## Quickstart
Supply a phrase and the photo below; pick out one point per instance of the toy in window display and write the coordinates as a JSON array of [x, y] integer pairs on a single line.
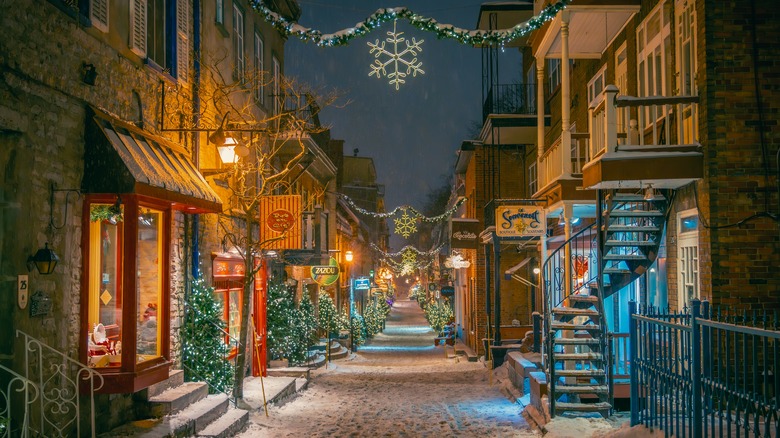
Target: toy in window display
[[148, 331]]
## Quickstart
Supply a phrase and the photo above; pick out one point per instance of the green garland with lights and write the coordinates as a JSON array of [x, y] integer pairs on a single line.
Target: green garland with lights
[[468, 37], [105, 212], [204, 350], [404, 208]]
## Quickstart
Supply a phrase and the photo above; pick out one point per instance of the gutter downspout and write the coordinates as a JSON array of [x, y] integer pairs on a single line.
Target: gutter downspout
[[196, 139]]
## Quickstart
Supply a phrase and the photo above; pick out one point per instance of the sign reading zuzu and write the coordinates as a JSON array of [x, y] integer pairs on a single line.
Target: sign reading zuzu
[[520, 221]]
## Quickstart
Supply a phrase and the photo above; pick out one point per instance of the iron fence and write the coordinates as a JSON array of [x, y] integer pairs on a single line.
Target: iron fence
[[510, 99], [703, 373]]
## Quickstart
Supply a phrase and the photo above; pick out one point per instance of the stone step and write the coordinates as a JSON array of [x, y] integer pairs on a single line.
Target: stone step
[[301, 384], [226, 426], [341, 353], [187, 422], [206, 411], [175, 399], [582, 407], [175, 378], [289, 372]]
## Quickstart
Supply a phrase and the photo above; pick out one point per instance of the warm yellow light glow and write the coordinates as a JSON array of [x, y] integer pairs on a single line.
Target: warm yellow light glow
[[227, 151], [348, 256]]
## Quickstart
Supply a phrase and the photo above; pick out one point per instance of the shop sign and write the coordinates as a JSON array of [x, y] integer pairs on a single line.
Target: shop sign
[[281, 216], [520, 221], [362, 283], [280, 220], [448, 291], [326, 275], [464, 233], [431, 287]]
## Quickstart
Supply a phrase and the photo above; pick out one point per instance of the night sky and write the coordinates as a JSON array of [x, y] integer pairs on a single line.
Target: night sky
[[413, 133]]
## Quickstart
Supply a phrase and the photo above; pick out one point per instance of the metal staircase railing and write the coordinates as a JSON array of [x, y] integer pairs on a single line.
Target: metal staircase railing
[[570, 277], [63, 388]]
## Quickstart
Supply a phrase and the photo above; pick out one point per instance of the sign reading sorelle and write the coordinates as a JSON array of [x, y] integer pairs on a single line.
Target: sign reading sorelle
[[520, 221]]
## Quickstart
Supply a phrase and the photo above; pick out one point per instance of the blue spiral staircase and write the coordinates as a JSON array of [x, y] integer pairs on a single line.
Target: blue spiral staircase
[[592, 265]]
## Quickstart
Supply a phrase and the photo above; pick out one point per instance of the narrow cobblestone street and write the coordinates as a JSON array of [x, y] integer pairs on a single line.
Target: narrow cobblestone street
[[397, 385]]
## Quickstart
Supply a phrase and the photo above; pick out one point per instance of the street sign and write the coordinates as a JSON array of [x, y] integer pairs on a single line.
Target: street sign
[[362, 283]]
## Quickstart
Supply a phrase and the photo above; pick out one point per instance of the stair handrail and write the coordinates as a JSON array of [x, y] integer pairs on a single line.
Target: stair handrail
[[232, 362], [548, 359], [68, 377], [30, 392]]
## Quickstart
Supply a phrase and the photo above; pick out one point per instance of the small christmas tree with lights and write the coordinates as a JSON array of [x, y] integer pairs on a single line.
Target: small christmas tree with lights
[[204, 350], [279, 317], [328, 319]]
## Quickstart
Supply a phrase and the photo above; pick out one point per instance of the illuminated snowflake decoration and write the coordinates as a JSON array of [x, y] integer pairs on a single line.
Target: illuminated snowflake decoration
[[405, 225], [409, 256], [407, 269], [394, 61]]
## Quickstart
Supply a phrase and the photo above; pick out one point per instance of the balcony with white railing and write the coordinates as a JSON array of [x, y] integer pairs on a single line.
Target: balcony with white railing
[[636, 142], [561, 166]]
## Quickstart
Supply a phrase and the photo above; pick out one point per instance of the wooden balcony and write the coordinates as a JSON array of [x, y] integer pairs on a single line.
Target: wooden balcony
[[636, 142], [560, 170]]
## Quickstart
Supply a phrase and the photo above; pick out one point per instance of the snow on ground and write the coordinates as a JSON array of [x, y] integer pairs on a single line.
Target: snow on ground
[[400, 385]]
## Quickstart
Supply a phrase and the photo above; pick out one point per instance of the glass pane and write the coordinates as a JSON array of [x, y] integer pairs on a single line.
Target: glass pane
[[149, 289], [105, 299], [689, 223], [234, 313]]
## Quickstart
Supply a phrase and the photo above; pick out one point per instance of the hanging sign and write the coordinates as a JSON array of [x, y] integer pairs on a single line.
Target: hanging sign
[[520, 221], [281, 219], [326, 275], [463, 233]]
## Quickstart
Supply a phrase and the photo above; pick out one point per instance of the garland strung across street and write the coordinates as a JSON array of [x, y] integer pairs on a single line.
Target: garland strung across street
[[405, 225], [421, 217], [407, 248], [381, 16]]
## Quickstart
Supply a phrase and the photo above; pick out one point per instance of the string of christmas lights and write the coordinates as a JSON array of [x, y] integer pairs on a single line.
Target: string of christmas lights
[[469, 37], [405, 249], [404, 209]]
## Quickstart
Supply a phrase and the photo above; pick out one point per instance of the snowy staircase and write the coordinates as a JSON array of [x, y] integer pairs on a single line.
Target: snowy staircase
[[576, 355], [623, 243], [174, 408]]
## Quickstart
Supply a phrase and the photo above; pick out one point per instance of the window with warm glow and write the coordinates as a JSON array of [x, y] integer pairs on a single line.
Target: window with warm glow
[[105, 299], [108, 294], [149, 285]]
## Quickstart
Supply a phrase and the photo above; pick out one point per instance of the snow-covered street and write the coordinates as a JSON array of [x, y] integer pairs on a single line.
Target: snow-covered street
[[398, 385]]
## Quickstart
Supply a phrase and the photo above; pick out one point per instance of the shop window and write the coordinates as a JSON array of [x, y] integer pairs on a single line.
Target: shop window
[[228, 279], [108, 288]]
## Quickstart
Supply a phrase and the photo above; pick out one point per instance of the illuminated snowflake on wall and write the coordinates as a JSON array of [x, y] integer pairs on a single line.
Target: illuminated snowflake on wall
[[405, 225], [394, 60]]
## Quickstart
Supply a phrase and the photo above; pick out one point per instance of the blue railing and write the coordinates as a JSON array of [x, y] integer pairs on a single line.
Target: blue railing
[[693, 375]]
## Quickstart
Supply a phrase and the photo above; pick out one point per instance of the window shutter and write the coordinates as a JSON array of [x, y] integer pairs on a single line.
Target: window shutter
[[98, 14], [138, 27], [183, 13]]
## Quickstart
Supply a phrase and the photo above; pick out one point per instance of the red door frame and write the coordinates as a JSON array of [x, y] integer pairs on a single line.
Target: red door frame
[[260, 361]]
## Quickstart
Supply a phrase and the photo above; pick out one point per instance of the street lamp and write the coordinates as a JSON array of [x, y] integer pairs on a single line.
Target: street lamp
[[348, 256]]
